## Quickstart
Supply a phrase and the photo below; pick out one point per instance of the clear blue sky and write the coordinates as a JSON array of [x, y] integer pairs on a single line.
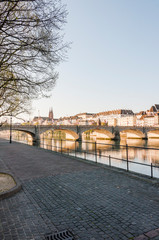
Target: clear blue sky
[[113, 62]]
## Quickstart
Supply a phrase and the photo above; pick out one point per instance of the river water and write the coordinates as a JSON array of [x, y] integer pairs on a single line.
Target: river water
[[108, 152], [112, 152]]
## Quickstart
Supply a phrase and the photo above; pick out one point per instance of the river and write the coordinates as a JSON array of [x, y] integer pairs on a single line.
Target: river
[[106, 151]]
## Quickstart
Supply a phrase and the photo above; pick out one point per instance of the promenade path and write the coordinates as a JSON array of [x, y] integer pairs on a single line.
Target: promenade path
[[62, 193]]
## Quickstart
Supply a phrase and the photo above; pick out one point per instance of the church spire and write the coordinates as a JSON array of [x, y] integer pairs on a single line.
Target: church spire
[[51, 116]]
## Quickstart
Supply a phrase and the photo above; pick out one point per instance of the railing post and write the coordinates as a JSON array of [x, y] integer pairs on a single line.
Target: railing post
[[51, 145], [151, 170], [95, 149], [109, 160], [127, 157], [52, 134], [61, 145]]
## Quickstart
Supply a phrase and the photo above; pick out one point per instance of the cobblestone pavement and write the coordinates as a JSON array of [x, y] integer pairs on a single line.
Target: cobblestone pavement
[[61, 193]]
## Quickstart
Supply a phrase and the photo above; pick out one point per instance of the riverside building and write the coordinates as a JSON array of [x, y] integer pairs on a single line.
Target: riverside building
[[116, 117], [120, 117]]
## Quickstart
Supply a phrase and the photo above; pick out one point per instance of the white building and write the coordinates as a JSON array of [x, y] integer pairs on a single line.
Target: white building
[[116, 117], [151, 120], [129, 120]]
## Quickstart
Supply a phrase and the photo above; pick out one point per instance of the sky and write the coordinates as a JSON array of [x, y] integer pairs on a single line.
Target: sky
[[113, 62]]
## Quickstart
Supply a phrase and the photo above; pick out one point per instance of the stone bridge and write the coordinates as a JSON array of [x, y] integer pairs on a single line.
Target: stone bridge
[[76, 131]]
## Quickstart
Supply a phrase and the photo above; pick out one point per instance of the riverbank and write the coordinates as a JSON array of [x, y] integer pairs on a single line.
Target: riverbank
[[62, 193]]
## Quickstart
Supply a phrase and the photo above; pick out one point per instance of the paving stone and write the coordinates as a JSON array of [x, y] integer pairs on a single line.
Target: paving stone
[[152, 234], [156, 238], [141, 237], [62, 193]]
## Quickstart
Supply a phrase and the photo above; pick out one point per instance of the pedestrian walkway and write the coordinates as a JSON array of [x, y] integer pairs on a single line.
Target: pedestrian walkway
[[62, 193]]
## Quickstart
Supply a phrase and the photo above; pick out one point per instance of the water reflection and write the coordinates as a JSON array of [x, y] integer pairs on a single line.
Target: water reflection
[[107, 150], [58, 144], [18, 136], [133, 142], [108, 147], [152, 142]]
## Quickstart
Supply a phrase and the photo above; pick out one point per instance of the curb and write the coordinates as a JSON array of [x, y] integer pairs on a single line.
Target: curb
[[11, 191]]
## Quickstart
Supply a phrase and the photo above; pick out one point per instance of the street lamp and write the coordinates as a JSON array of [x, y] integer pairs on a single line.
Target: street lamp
[[10, 128]]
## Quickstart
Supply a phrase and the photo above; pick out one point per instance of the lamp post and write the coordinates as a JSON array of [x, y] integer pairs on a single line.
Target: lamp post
[[39, 121], [10, 128]]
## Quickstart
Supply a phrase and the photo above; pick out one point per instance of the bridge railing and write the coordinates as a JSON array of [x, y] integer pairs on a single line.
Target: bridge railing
[[103, 153], [97, 156]]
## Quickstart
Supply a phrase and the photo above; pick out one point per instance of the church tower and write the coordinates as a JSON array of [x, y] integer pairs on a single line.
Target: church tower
[[51, 116]]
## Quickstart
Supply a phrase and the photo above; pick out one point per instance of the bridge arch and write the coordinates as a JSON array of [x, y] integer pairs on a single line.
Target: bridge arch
[[132, 133], [20, 130], [100, 133], [70, 134], [25, 131], [31, 134]]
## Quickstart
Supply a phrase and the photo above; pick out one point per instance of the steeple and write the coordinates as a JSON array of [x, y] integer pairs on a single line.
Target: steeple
[[51, 116]]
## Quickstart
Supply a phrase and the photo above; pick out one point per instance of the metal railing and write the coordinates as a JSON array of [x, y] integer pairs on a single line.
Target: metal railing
[[96, 156], [76, 152]]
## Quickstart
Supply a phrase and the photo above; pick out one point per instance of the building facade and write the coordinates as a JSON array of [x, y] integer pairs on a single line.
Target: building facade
[[120, 117]]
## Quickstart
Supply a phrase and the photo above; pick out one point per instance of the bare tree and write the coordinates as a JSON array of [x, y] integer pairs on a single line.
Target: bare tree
[[31, 45]]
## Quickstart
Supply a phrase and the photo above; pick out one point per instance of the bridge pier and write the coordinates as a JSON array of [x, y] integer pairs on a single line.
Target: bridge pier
[[117, 135], [79, 134], [36, 137], [80, 137], [145, 132], [36, 142]]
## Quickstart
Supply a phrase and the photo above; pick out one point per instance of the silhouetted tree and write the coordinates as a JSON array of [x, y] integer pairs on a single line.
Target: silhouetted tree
[[31, 45]]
